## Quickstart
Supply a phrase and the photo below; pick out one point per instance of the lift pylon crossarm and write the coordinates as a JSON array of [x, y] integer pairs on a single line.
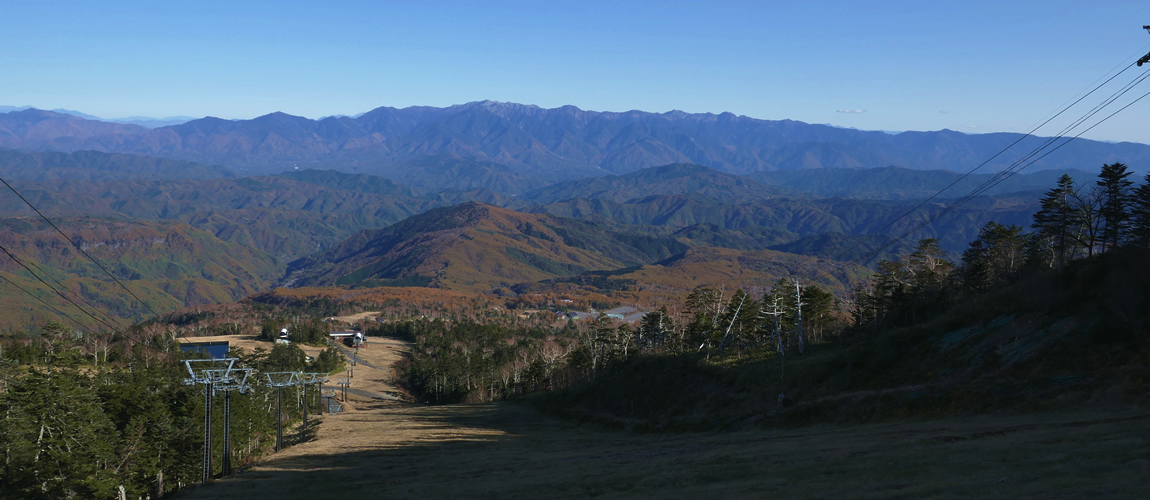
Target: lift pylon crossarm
[[283, 379], [313, 378]]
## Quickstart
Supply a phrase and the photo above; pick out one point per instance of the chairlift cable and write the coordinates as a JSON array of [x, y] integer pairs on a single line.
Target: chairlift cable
[[65, 297], [78, 247], [979, 166], [986, 187]]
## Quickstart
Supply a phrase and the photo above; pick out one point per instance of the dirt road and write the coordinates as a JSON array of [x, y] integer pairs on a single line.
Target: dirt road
[[397, 450], [372, 378]]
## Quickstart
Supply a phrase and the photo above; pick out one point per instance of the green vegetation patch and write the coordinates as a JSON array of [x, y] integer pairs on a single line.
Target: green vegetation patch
[[544, 264]]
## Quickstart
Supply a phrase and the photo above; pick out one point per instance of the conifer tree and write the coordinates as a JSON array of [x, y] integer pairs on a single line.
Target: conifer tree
[[995, 257], [1140, 214], [1057, 218], [1115, 202]]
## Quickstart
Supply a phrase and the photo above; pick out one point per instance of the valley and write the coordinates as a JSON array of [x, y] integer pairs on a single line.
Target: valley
[[578, 303], [286, 230]]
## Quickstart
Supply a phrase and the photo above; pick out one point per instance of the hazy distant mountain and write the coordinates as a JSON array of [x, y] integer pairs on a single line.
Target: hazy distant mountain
[[435, 172], [894, 183], [678, 178], [149, 122], [351, 182], [143, 121], [94, 166], [7, 109], [547, 145]]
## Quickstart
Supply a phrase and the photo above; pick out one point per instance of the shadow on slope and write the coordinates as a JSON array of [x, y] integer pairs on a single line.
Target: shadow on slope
[[1076, 340]]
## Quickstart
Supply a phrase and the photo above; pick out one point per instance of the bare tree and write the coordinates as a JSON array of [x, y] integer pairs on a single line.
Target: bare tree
[[1088, 206]]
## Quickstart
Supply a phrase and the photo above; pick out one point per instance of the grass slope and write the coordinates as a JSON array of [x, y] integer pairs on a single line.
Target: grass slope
[[1070, 341]]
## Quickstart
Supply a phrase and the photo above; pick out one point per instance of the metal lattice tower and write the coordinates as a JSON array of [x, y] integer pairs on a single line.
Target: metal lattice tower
[[306, 379], [279, 380], [217, 375]]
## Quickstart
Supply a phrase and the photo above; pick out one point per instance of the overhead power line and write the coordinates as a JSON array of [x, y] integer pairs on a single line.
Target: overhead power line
[[989, 185], [49, 306], [61, 294], [81, 249], [1015, 167], [906, 214], [105, 314]]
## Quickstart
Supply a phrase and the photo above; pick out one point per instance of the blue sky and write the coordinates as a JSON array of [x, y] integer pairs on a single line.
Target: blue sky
[[969, 66]]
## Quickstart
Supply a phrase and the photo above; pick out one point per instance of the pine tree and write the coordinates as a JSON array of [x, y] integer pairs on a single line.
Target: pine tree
[[995, 257], [1115, 200], [58, 441], [1057, 218], [1140, 214]]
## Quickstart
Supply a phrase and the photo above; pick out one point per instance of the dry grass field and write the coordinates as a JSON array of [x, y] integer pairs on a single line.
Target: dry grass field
[[397, 450], [386, 449]]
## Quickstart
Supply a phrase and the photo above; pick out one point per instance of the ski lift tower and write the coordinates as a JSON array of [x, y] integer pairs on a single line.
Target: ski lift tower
[[279, 380], [306, 379], [217, 375]]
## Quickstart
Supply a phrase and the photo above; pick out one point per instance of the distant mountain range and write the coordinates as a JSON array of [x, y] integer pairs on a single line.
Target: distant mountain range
[[143, 121], [535, 146], [894, 183], [490, 198], [95, 166]]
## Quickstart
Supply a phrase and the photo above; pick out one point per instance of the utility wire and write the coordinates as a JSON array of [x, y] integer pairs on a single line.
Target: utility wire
[[1018, 165], [988, 160], [948, 209], [65, 297], [107, 316], [1014, 167], [49, 306], [78, 247]]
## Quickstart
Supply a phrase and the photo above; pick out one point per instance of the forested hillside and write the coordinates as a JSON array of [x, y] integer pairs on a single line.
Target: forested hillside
[[1052, 319], [95, 166], [167, 264], [609, 223]]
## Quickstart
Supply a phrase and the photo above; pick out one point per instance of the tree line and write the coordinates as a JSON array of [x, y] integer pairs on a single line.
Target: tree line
[[471, 361], [1073, 222], [74, 425], [459, 361]]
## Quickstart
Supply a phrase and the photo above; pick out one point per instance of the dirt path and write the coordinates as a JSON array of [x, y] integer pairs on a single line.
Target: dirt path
[[355, 318], [373, 376], [384, 449]]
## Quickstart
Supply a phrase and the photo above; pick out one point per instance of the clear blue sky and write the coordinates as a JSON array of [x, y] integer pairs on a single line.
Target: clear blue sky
[[966, 65]]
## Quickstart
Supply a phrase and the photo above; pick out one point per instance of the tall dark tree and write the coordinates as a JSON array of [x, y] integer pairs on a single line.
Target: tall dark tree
[[58, 441], [1140, 214], [819, 308], [654, 329], [1115, 203], [1057, 219], [994, 258]]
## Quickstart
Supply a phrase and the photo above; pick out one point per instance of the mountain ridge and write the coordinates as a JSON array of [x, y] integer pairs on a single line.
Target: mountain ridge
[[551, 144]]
